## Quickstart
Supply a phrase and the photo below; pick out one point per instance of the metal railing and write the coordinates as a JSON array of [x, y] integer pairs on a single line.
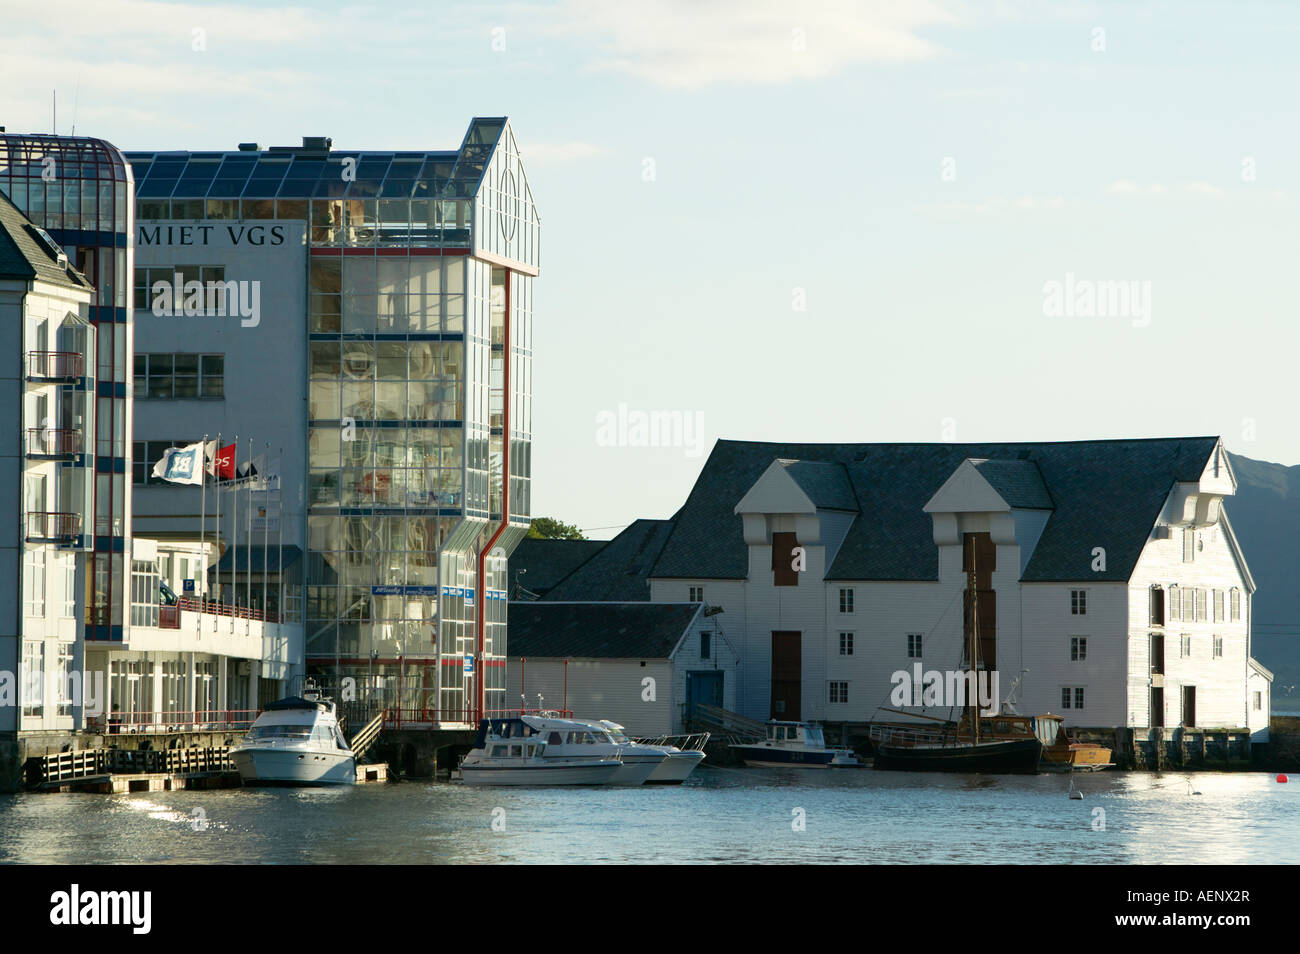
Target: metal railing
[[414, 717], [53, 442], [54, 365], [52, 525], [218, 608], [906, 736], [195, 720], [691, 742]]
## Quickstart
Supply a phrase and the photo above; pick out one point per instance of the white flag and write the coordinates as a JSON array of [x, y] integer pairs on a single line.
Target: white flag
[[181, 465]]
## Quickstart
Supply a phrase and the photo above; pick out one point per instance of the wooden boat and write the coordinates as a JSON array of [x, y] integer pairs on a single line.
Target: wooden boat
[[966, 745], [1063, 754]]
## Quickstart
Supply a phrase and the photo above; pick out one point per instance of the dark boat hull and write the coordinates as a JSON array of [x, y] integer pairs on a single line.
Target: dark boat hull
[[1014, 757]]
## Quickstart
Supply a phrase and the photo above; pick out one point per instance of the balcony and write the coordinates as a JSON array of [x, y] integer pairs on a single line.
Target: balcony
[[54, 367], [44, 526], [54, 443]]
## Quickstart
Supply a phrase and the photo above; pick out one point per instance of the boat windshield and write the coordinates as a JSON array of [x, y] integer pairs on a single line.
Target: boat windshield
[[280, 732], [814, 737]]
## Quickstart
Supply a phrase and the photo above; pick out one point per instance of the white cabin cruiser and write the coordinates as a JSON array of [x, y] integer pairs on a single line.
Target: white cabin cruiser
[[795, 745], [677, 765], [578, 737], [296, 741], [516, 752]]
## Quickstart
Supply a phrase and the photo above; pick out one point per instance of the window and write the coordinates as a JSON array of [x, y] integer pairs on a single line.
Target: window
[[64, 687], [839, 692], [146, 278], [34, 560], [1078, 648], [706, 640], [1218, 647], [846, 644], [144, 593], [1175, 602], [1185, 649], [1218, 606], [696, 594], [70, 585], [1078, 602], [1200, 606], [1157, 606], [1071, 697], [1234, 603], [846, 601], [913, 645], [33, 679], [1259, 701], [1186, 596], [1189, 546], [180, 376]]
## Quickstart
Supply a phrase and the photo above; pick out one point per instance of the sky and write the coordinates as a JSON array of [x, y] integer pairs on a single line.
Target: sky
[[794, 221]]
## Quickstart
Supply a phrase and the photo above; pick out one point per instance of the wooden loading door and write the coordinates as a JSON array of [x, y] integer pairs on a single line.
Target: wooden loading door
[[787, 674]]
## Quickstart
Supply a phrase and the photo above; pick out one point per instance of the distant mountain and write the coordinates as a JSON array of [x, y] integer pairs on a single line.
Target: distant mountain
[[1265, 515]]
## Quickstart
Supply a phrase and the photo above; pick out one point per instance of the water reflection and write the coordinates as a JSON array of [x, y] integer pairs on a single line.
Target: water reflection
[[721, 815]]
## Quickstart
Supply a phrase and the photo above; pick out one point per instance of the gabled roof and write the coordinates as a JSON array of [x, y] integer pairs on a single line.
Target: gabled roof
[[1103, 494], [620, 570], [1018, 482], [598, 630], [546, 562], [27, 253], [826, 484]]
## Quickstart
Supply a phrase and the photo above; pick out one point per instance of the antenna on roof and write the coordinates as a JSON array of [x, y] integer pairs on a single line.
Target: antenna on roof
[[54, 94]]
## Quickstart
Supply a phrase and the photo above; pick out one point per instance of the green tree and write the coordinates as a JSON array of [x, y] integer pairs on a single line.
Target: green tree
[[548, 528]]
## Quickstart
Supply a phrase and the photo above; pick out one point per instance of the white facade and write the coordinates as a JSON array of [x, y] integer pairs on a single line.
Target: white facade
[[42, 604], [648, 696], [1081, 648]]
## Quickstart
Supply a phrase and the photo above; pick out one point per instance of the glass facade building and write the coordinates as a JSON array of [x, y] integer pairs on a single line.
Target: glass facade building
[[79, 191], [418, 338]]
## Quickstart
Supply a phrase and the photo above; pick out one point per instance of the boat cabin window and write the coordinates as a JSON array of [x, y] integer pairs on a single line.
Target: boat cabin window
[[813, 736], [280, 732], [516, 751], [556, 739], [497, 752]]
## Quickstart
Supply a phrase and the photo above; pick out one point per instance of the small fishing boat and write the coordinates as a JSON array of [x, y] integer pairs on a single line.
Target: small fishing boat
[[1063, 754], [296, 741], [794, 745], [516, 752]]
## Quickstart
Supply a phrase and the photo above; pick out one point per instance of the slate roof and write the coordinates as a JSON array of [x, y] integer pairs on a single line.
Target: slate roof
[[24, 254], [598, 630], [827, 485], [621, 569], [547, 562], [1018, 482], [1103, 493]]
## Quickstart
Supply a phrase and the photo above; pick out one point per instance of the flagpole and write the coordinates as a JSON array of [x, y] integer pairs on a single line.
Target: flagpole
[[279, 537], [216, 486], [248, 546], [266, 530], [203, 514]]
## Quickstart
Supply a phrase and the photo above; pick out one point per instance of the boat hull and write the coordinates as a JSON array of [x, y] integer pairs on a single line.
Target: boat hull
[[289, 767], [1015, 757], [637, 769], [772, 757], [542, 775], [676, 768]]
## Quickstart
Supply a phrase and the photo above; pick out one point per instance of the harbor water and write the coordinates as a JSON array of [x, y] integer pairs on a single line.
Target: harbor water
[[720, 815]]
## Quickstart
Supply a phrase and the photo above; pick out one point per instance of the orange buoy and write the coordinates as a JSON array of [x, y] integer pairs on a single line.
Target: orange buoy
[[1282, 778]]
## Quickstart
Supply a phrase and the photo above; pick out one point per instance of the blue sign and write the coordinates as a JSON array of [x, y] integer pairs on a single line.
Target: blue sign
[[469, 665], [187, 586], [404, 591]]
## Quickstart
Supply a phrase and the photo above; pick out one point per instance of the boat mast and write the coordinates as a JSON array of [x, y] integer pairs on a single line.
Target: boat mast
[[972, 705]]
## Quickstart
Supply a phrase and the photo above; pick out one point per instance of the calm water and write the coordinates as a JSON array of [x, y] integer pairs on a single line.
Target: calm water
[[720, 815]]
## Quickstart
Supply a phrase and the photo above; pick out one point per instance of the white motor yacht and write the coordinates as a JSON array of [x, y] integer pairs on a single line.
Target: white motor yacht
[[578, 737], [678, 763], [296, 741], [516, 752]]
